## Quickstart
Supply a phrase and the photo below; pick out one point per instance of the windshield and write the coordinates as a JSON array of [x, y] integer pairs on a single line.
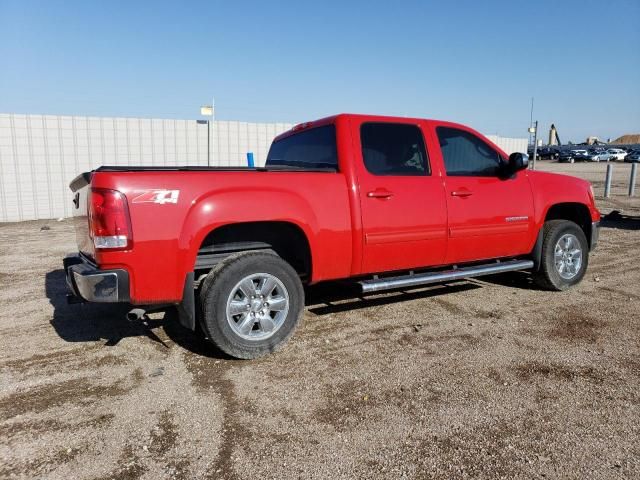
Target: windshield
[[313, 148]]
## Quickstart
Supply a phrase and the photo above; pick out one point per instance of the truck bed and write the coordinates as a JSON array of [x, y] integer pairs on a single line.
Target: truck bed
[[167, 235]]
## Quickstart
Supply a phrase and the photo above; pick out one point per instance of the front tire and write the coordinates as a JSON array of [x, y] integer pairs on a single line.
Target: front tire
[[251, 304], [565, 256]]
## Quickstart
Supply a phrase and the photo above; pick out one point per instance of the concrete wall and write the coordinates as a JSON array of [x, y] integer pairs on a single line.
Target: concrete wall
[[510, 145], [41, 154]]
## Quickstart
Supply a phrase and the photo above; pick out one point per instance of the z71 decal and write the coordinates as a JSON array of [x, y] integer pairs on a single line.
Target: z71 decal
[[157, 196]]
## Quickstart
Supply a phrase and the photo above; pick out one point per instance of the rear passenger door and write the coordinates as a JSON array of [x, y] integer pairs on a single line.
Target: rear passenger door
[[490, 216], [402, 203]]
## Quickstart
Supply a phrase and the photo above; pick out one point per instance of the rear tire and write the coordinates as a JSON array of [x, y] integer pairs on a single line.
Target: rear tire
[[251, 304], [565, 256]]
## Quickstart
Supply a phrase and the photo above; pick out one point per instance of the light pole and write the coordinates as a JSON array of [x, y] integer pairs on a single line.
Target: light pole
[[208, 111], [534, 130], [531, 120]]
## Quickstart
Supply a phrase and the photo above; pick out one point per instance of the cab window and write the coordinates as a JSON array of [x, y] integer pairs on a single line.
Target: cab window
[[466, 155], [393, 149]]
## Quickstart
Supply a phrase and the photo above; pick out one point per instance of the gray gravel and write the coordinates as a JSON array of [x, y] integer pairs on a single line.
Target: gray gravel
[[479, 379]]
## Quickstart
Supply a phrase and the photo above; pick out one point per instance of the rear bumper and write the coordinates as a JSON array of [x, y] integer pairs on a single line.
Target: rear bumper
[[595, 235], [88, 282]]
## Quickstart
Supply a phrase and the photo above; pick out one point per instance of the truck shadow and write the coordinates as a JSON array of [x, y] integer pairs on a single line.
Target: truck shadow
[[88, 322], [521, 280], [94, 322], [107, 322], [336, 297], [621, 222]]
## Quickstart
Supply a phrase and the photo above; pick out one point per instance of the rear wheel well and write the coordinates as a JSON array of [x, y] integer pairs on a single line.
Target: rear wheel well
[[576, 212], [284, 238]]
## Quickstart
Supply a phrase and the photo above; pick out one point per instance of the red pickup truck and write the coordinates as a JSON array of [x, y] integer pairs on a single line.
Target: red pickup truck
[[387, 202]]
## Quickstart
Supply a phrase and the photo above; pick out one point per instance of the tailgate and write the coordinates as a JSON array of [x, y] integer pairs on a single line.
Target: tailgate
[[80, 187]]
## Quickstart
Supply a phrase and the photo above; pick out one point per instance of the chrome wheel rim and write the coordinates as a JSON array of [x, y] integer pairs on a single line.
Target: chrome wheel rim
[[568, 256], [257, 306]]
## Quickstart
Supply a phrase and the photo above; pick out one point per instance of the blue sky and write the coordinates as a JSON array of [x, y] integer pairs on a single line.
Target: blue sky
[[469, 61]]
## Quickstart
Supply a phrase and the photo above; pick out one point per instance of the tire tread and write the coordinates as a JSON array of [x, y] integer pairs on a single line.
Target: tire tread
[[208, 307], [544, 278]]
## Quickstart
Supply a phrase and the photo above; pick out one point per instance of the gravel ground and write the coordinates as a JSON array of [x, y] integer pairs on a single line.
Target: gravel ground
[[488, 378]]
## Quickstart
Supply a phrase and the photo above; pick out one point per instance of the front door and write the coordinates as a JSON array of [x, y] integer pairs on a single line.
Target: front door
[[404, 216], [490, 216]]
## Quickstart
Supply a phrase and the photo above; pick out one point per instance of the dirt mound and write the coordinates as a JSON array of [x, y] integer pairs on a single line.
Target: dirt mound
[[628, 139]]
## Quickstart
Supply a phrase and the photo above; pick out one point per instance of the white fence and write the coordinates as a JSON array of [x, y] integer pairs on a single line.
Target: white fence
[[510, 145], [41, 154]]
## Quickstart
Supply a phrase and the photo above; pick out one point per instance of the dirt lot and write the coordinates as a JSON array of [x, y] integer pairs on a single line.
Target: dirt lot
[[483, 379], [596, 173]]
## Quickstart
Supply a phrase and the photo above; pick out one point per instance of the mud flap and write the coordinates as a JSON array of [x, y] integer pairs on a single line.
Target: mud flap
[[536, 253], [187, 308]]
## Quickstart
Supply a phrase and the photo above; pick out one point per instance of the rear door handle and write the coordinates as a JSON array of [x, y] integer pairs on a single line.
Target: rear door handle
[[461, 193], [380, 193]]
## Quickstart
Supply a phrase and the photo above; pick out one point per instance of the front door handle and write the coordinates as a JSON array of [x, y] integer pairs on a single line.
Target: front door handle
[[380, 193], [461, 193]]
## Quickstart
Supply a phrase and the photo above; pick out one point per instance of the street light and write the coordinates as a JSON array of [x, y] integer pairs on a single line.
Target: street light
[[208, 111]]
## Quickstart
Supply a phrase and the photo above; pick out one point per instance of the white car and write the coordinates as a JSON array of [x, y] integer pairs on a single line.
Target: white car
[[617, 153], [599, 156]]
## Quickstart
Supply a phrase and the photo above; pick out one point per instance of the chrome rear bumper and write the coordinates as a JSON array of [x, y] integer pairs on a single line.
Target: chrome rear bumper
[[88, 282]]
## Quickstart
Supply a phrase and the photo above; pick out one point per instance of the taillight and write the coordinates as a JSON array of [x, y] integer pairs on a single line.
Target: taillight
[[109, 222]]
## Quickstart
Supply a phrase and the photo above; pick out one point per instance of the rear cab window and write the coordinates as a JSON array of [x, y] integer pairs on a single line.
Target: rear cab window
[[314, 148], [394, 149]]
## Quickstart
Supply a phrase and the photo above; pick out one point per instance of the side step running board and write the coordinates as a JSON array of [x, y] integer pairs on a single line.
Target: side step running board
[[388, 283]]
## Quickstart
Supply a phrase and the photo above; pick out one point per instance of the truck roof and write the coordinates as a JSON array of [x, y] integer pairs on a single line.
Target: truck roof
[[359, 116]]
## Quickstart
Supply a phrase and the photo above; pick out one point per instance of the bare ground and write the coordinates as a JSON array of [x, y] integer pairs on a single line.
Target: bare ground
[[478, 379]]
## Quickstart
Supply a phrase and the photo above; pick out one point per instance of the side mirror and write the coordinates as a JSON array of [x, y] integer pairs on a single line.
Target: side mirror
[[518, 161]]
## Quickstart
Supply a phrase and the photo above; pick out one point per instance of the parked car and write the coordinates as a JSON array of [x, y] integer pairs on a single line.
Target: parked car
[[633, 156], [566, 156], [547, 153], [580, 155], [599, 156], [617, 153], [383, 201]]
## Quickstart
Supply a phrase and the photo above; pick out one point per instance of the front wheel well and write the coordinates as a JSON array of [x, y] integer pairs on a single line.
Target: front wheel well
[[577, 213], [286, 239]]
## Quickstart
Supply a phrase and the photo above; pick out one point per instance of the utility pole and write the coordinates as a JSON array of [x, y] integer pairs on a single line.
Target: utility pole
[[531, 121], [534, 130]]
